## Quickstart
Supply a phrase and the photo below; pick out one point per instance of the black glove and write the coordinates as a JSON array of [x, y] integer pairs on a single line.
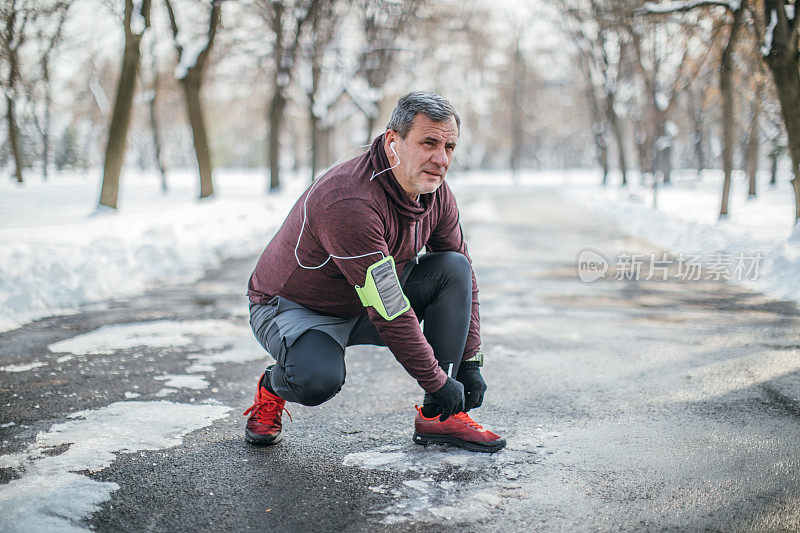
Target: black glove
[[469, 374], [450, 398]]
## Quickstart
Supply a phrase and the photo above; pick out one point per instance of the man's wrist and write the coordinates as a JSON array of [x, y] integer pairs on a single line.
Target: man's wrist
[[477, 358]]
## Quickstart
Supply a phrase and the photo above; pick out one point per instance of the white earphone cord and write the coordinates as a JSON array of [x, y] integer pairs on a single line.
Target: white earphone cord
[[305, 205]]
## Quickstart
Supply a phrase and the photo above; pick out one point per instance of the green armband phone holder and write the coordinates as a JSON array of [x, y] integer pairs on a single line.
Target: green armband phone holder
[[382, 290]]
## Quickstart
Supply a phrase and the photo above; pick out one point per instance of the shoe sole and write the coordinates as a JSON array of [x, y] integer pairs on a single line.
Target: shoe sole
[[489, 447], [260, 440]]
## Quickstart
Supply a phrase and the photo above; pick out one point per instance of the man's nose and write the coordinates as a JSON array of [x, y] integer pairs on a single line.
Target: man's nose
[[440, 158]]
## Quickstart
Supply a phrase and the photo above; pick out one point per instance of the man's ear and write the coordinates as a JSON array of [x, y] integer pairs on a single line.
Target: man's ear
[[390, 137]]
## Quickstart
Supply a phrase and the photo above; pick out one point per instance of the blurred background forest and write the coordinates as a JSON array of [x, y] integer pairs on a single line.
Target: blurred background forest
[[636, 89]]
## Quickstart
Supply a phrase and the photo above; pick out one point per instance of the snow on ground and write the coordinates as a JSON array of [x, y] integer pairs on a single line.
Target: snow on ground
[[425, 497], [23, 367], [219, 341], [760, 232], [57, 252], [154, 334], [687, 222], [51, 495]]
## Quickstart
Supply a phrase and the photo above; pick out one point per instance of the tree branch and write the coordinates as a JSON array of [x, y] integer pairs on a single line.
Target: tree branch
[[650, 8], [174, 25]]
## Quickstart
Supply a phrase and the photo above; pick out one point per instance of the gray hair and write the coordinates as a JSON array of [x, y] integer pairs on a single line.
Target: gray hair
[[433, 106]]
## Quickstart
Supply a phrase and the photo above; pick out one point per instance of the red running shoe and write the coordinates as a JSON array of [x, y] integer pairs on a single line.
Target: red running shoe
[[459, 430], [264, 425]]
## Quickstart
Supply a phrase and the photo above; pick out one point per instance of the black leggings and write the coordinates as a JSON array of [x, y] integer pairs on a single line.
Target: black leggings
[[440, 291]]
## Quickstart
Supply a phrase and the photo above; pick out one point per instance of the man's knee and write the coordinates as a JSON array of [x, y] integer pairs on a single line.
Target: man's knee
[[457, 267], [318, 370], [314, 388]]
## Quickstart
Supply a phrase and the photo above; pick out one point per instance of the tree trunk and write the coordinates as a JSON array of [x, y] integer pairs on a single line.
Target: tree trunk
[[192, 81], [123, 103], [773, 170], [275, 123], [11, 116], [752, 150], [640, 139], [13, 137], [728, 125], [191, 90], [313, 120], [616, 130], [783, 63], [155, 128], [518, 114], [370, 127], [316, 144], [662, 152], [48, 104]]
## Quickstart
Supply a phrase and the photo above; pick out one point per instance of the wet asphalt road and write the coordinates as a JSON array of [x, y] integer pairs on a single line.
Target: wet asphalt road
[[627, 405]]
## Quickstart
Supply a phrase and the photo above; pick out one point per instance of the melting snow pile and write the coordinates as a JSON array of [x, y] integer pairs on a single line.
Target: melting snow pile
[[57, 251]]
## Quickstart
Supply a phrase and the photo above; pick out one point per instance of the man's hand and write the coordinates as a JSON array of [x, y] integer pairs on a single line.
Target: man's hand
[[450, 398], [469, 374]]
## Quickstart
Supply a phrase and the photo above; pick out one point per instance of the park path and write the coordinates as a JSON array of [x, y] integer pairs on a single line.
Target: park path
[[626, 405]]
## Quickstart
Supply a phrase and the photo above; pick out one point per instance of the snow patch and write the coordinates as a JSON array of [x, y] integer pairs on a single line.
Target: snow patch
[[243, 349], [189, 55], [184, 381], [23, 367], [423, 499], [50, 496], [199, 368], [56, 256], [155, 334], [138, 22], [769, 32]]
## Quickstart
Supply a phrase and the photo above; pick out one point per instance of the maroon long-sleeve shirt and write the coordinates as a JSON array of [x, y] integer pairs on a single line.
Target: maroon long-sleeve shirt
[[347, 215]]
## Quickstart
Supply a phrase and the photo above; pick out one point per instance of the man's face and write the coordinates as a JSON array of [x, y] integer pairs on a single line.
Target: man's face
[[425, 154]]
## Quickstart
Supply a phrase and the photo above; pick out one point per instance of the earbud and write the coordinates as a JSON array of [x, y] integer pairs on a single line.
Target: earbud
[[391, 145]]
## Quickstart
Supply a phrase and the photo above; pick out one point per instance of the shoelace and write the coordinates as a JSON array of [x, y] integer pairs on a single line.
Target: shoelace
[[464, 418], [269, 404]]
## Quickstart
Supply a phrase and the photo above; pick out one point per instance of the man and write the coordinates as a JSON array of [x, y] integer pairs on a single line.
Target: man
[[331, 258]]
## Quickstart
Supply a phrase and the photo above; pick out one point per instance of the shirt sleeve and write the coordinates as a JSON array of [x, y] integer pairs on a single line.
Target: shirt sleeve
[[448, 236], [353, 228]]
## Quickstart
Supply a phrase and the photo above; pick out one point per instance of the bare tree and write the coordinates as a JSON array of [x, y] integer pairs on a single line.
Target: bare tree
[[152, 107], [15, 18], [726, 67], [385, 22], [49, 37], [320, 96], [191, 64], [287, 19], [783, 58], [135, 21], [602, 53]]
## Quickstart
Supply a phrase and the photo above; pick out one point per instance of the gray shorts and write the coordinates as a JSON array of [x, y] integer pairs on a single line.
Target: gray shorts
[[279, 323]]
